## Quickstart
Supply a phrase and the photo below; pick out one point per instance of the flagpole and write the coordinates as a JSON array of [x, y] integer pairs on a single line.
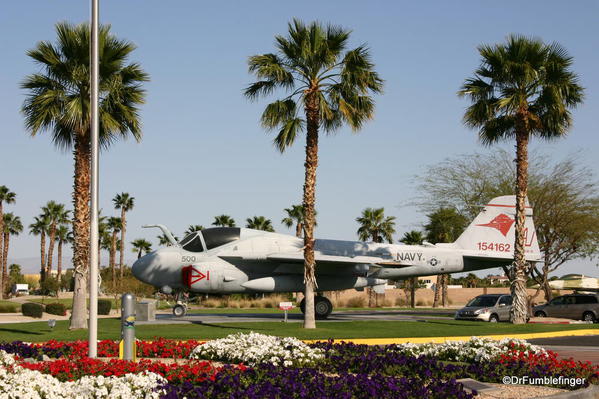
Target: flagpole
[[93, 263]]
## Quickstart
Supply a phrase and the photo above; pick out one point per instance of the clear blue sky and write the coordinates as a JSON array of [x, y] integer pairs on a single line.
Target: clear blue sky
[[203, 151]]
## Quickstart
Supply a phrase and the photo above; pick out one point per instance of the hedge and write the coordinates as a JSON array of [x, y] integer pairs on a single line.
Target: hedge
[[32, 309], [56, 308], [104, 306], [9, 308]]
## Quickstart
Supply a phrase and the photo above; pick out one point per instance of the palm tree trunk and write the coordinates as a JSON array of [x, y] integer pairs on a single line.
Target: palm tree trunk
[[437, 291], [4, 265], [298, 230], [43, 255], [59, 263], [123, 228], [139, 253], [519, 308], [309, 200], [51, 249], [545, 286], [113, 260], [2, 282], [81, 227], [444, 298], [413, 285]]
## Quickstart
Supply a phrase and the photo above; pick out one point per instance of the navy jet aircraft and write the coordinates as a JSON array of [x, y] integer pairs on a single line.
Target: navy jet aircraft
[[227, 260]]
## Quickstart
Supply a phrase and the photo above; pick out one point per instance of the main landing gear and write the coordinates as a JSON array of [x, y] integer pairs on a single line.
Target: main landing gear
[[180, 308], [322, 307]]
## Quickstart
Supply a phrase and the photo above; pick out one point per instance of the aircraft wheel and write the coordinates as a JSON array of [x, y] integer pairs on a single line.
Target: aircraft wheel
[[179, 310], [494, 318], [322, 307], [540, 314]]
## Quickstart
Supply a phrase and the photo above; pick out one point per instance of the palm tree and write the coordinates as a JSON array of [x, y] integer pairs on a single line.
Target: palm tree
[[140, 245], [413, 237], [63, 235], [259, 223], [192, 228], [114, 225], [445, 225], [523, 88], [163, 240], [471, 280], [125, 203], [295, 214], [57, 215], [40, 227], [374, 225], [6, 196], [58, 101], [224, 221], [12, 226], [331, 86]]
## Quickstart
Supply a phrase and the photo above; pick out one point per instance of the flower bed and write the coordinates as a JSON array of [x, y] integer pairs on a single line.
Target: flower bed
[[276, 367]]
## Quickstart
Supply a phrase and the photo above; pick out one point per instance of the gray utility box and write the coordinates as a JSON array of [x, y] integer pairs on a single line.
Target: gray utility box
[[145, 311]]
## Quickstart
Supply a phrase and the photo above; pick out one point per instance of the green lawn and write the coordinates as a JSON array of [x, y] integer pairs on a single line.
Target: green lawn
[[68, 302], [110, 329]]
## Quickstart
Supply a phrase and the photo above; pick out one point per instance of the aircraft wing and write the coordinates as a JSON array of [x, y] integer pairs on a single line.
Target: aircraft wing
[[298, 257]]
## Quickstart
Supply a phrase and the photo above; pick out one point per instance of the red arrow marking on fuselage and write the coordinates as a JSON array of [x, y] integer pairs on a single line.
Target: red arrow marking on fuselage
[[197, 275]]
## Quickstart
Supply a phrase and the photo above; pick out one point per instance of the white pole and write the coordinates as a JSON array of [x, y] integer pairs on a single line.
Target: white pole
[[93, 263]]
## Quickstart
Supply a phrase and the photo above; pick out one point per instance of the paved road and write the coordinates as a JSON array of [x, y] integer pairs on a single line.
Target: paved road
[[582, 348], [379, 315]]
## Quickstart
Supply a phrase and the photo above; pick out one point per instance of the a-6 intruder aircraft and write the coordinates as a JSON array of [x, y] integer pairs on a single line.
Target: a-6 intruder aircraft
[[228, 260]]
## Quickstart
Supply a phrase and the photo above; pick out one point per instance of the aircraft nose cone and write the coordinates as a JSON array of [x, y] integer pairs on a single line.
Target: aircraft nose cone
[[142, 267]]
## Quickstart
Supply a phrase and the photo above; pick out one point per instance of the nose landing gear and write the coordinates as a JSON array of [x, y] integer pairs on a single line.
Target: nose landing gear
[[180, 308]]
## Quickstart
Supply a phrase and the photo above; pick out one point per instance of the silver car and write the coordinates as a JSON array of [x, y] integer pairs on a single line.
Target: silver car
[[489, 307], [576, 306]]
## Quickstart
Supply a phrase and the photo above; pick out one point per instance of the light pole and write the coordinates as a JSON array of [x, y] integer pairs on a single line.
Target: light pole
[[93, 261]]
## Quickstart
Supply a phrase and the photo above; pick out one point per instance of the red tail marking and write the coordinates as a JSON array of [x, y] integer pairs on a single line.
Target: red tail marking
[[502, 222]]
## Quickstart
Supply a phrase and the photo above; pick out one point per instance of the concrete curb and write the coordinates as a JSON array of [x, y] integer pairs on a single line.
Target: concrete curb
[[440, 340], [590, 392]]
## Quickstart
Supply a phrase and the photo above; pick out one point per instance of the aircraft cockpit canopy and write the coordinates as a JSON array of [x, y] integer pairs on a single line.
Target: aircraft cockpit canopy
[[212, 238]]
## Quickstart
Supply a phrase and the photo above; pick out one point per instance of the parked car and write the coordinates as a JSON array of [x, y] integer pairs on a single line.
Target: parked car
[[574, 306], [488, 307]]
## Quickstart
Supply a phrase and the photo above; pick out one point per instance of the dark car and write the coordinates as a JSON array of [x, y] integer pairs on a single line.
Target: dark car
[[575, 306]]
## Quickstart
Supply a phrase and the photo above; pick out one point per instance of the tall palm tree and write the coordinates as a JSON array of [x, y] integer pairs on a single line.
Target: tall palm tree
[[522, 89], [57, 215], [224, 221], [332, 87], [114, 226], [40, 227], [6, 196], [163, 240], [63, 235], [140, 245], [413, 237], [259, 223], [58, 101], [375, 225], [125, 203], [12, 226], [192, 228]]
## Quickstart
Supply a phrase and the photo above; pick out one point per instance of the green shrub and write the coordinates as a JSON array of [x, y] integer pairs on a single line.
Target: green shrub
[[32, 309], [56, 308], [8, 308], [104, 306]]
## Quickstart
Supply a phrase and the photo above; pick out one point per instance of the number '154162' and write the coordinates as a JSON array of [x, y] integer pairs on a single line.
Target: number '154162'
[[494, 246]]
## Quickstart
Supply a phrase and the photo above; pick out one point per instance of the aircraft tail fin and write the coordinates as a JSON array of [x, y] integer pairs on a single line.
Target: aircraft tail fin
[[492, 232]]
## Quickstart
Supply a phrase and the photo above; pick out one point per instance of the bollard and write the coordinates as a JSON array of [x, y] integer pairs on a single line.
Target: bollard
[[127, 346]]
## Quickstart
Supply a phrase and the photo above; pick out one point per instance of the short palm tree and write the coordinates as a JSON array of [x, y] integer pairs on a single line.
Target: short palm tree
[[375, 225], [114, 226], [295, 214], [522, 89], [12, 227], [41, 226], [63, 236], [140, 245], [329, 86], [57, 214], [125, 203], [8, 197], [192, 228], [259, 223], [413, 237], [224, 221], [58, 101], [163, 240]]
